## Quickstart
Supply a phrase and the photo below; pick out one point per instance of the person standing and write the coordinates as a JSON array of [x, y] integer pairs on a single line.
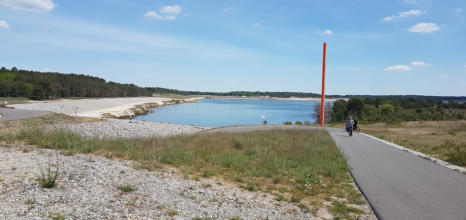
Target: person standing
[[349, 126]]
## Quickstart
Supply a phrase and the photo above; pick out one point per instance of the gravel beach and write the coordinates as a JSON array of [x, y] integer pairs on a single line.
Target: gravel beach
[[88, 188], [118, 128], [93, 108]]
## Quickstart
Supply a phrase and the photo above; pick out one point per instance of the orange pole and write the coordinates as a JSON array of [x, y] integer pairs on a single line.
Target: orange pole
[[322, 103]]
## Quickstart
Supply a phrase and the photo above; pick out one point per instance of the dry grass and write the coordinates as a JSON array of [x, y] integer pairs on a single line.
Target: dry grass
[[8, 128], [445, 140]]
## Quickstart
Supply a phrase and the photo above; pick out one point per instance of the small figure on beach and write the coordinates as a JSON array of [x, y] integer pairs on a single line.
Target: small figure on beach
[[349, 126]]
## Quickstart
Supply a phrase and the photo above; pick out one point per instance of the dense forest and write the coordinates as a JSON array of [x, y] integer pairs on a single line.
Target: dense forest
[[39, 85], [397, 109]]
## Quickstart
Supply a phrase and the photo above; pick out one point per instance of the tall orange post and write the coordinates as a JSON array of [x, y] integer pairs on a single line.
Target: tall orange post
[[322, 103]]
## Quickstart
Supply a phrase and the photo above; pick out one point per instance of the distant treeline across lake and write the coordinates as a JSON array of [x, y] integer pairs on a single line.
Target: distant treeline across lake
[[51, 85]]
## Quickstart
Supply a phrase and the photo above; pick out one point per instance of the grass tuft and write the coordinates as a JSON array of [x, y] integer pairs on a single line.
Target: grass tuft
[[48, 177], [126, 188], [172, 212]]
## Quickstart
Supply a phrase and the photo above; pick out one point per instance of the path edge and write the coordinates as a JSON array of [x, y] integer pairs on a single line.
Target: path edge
[[376, 213], [422, 155]]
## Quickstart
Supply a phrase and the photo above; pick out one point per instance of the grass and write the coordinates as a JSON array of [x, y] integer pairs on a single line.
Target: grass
[[172, 212], [340, 210], [126, 188], [48, 177], [445, 140], [303, 166]]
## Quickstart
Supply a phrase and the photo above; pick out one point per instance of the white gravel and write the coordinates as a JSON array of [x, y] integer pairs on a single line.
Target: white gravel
[[116, 128], [88, 188], [89, 107]]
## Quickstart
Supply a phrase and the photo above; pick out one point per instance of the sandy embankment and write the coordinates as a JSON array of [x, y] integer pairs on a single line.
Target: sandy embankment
[[102, 107]]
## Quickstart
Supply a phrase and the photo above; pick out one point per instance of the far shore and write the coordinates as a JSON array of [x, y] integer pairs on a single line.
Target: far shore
[[275, 98]]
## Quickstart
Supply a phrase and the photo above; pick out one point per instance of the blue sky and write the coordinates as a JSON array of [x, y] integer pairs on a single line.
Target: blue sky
[[374, 47]]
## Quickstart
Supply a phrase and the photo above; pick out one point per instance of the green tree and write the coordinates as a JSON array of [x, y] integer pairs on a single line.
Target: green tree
[[355, 107], [29, 90], [370, 113], [339, 110]]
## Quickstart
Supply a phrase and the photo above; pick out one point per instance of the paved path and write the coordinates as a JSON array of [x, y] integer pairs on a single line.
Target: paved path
[[9, 114], [398, 184]]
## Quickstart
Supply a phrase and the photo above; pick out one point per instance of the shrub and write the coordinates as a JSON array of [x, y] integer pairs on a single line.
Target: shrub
[[298, 123], [238, 144], [288, 123]]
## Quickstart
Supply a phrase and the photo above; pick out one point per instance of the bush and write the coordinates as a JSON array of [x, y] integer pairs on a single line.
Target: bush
[[288, 123], [238, 144], [298, 123]]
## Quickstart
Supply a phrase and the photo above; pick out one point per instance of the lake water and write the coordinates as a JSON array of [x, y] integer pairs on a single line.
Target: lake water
[[229, 112]]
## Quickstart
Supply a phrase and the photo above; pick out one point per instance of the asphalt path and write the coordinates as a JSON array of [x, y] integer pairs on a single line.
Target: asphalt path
[[9, 114], [397, 184]]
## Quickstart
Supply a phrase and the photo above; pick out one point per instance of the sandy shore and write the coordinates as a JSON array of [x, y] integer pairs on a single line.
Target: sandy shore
[[97, 108]]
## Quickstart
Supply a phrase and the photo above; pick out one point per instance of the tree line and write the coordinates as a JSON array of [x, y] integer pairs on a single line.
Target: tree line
[[235, 93], [49, 85], [396, 109]]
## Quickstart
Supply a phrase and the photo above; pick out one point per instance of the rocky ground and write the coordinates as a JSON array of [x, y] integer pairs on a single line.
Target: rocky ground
[[116, 128], [89, 188]]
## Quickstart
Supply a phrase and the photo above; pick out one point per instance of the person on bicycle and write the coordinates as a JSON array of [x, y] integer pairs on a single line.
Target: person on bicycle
[[355, 125], [349, 126]]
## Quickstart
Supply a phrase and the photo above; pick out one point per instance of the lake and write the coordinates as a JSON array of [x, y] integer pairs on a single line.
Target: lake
[[230, 112]]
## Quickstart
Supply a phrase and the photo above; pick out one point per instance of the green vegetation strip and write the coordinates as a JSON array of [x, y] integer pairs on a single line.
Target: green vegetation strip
[[304, 167]]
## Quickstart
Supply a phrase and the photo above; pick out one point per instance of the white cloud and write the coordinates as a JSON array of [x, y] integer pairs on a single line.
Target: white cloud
[[171, 9], [404, 14], [153, 14], [38, 6], [420, 63], [459, 10], [256, 24], [397, 68], [424, 28], [170, 12], [4, 24], [328, 32]]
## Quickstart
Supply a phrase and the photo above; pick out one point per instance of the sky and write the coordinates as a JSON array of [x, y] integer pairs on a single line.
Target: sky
[[375, 47]]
